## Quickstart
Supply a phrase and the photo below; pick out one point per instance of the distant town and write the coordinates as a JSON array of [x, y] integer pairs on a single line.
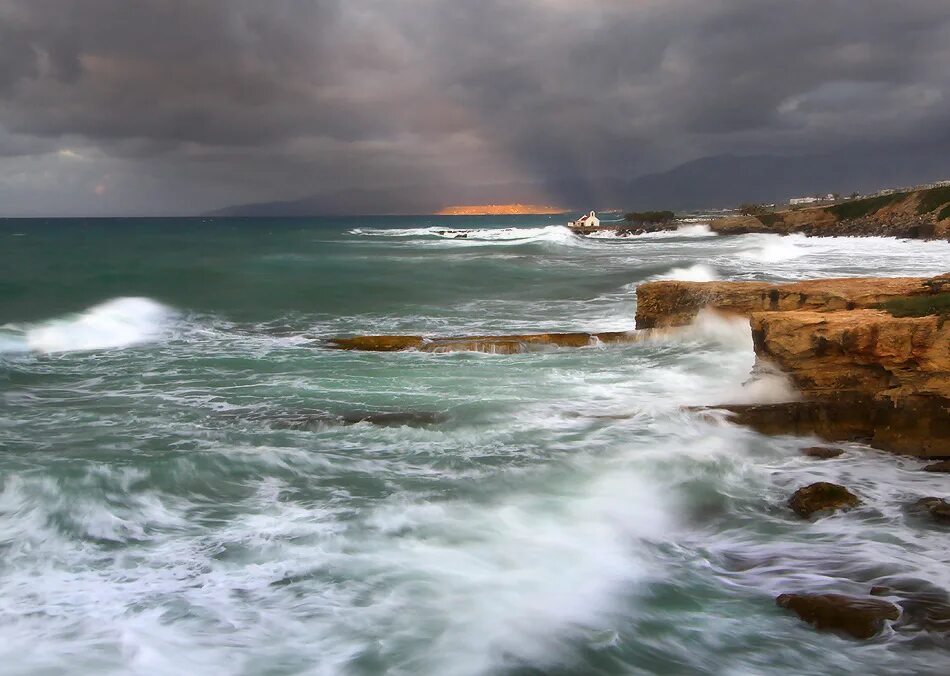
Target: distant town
[[833, 198]]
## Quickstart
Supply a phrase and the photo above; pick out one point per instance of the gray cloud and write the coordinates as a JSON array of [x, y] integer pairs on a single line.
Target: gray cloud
[[162, 106]]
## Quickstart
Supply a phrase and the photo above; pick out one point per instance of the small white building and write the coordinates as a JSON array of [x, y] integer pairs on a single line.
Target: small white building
[[802, 200], [588, 221]]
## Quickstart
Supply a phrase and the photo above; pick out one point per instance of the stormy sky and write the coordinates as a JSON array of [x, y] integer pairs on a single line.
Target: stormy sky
[[177, 107]]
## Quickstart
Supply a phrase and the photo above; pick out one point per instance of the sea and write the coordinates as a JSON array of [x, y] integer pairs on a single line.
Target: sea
[[192, 482]]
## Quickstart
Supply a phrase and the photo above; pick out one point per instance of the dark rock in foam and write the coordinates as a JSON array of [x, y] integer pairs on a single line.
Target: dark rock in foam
[[858, 617], [822, 497]]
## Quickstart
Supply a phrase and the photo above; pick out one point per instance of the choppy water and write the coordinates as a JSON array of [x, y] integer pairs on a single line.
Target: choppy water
[[177, 498]]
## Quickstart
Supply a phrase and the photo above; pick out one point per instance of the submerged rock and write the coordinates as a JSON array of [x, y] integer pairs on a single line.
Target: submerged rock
[[820, 497], [316, 420], [398, 419], [942, 466], [924, 606], [822, 452], [861, 618], [938, 508]]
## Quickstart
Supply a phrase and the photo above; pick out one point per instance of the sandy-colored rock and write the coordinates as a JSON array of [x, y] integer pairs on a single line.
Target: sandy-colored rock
[[513, 344], [863, 373], [864, 351], [859, 617], [822, 497], [943, 466], [675, 303]]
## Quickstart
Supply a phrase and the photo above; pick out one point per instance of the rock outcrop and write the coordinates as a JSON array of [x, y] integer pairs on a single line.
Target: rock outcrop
[[859, 617], [870, 356], [866, 374]]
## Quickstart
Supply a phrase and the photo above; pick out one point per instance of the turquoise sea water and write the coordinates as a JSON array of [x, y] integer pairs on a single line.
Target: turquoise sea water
[[182, 491]]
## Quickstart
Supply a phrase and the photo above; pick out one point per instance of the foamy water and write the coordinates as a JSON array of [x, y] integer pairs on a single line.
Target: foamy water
[[163, 511]]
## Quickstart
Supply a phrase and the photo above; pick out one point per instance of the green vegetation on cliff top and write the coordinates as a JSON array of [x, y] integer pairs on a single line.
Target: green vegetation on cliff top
[[918, 306], [930, 200], [769, 220]]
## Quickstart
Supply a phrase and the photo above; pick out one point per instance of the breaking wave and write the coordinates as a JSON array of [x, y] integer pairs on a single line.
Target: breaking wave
[[116, 323], [558, 234], [774, 249], [687, 230], [700, 272]]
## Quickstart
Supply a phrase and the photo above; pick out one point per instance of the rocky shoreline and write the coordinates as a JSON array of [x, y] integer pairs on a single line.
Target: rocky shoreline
[[871, 360], [871, 357]]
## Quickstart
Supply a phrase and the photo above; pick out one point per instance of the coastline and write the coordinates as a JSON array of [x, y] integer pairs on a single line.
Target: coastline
[[869, 356], [911, 214]]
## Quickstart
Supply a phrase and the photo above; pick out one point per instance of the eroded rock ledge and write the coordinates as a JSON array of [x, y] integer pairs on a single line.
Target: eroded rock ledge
[[673, 303], [871, 356], [505, 344]]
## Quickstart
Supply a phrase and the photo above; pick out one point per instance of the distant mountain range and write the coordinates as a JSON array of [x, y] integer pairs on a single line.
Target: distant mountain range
[[710, 182]]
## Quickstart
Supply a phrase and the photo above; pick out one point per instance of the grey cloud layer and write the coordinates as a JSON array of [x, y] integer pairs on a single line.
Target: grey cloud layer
[[176, 106]]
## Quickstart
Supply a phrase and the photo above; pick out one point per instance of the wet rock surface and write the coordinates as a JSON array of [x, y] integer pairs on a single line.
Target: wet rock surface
[[917, 426], [858, 617], [822, 497], [924, 606], [941, 467]]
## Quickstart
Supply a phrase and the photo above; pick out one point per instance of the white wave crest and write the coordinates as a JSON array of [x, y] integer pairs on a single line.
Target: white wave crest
[[728, 331], [116, 323], [700, 272], [688, 230], [774, 249], [552, 233]]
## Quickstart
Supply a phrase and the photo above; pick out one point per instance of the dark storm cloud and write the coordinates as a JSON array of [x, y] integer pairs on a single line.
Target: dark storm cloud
[[162, 105]]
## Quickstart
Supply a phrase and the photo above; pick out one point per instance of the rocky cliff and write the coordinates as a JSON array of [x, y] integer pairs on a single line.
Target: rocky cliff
[[864, 374], [870, 356], [916, 214]]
